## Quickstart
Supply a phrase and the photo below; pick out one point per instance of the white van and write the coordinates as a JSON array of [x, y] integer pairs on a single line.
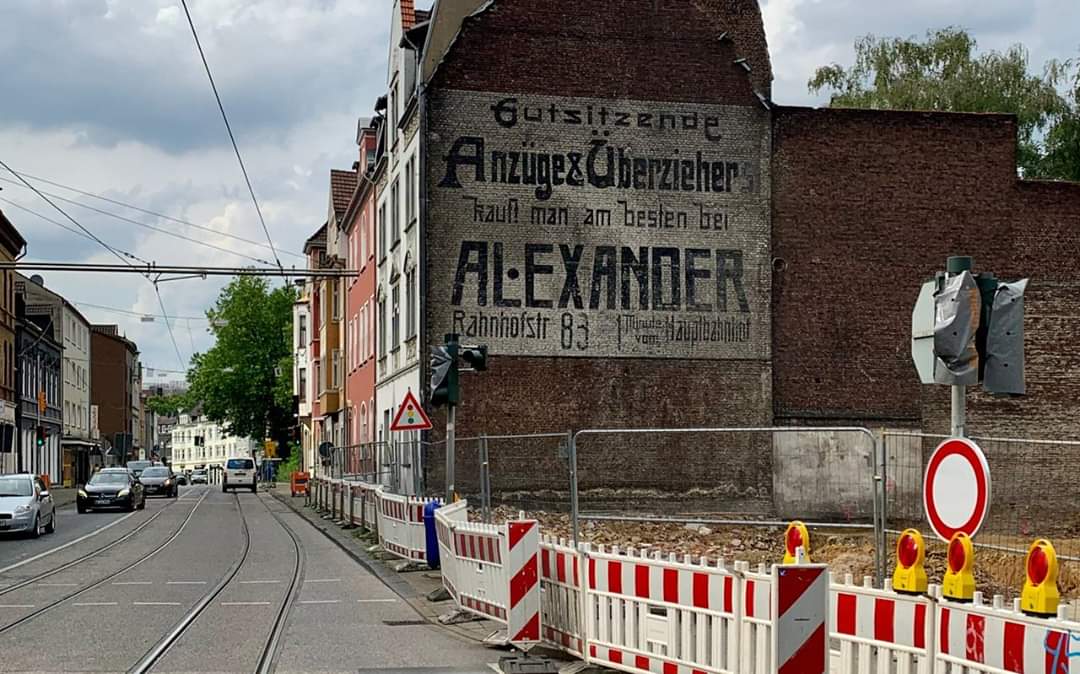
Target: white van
[[239, 474]]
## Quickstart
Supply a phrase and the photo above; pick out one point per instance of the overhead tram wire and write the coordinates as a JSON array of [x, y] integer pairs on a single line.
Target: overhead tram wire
[[172, 336], [154, 228], [129, 312], [232, 138], [147, 211], [95, 238], [61, 225], [153, 268]]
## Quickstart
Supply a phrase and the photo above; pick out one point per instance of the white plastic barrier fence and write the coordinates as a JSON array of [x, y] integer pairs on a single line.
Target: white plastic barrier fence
[[401, 525], [976, 638], [755, 630], [562, 599], [646, 614], [493, 571], [881, 630]]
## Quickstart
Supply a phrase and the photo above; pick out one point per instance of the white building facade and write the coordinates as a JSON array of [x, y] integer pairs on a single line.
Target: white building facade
[[198, 442], [303, 385], [397, 244]]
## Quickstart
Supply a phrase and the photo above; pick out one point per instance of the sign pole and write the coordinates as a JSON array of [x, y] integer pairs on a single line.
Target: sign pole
[[958, 264], [450, 452]]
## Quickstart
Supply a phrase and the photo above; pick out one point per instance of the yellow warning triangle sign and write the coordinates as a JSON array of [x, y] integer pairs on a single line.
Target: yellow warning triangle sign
[[410, 416]]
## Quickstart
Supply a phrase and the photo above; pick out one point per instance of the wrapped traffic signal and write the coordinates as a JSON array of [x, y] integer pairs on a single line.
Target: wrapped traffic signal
[[1040, 596], [959, 583], [444, 375], [909, 577], [796, 537], [475, 357]]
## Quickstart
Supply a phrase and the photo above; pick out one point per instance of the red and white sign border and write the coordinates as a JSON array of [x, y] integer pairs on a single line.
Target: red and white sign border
[[971, 452], [424, 422]]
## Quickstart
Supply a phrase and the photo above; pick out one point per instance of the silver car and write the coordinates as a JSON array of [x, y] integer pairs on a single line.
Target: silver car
[[25, 505]]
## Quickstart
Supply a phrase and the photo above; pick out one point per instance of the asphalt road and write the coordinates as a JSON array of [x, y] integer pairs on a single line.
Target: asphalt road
[[212, 570]]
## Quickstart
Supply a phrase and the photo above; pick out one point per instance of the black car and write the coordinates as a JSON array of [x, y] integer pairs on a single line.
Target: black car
[[111, 488], [159, 481]]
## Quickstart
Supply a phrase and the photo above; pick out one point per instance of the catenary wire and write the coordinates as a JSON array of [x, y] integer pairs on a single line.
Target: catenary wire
[[129, 312], [172, 335], [153, 227], [95, 238], [232, 138], [148, 211], [70, 229]]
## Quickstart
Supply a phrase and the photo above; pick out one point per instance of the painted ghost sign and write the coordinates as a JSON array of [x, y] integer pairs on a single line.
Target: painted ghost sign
[[584, 227]]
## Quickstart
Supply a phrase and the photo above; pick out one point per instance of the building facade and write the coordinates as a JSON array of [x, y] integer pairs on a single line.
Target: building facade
[[302, 388], [398, 232], [200, 443], [72, 329], [39, 416], [115, 388], [675, 249], [359, 228], [12, 246], [315, 251]]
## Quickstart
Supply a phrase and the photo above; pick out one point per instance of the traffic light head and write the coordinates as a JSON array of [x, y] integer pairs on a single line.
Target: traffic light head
[[40, 436], [475, 357], [444, 375]]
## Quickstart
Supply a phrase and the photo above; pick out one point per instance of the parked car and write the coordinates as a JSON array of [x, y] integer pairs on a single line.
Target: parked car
[[137, 467], [239, 474], [198, 476], [26, 505], [111, 488], [159, 481], [181, 479]]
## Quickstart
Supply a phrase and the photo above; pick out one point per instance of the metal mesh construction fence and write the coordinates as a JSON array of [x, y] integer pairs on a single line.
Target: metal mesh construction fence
[[1032, 495]]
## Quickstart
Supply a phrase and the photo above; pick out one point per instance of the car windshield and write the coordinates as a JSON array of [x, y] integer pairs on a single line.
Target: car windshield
[[109, 478], [137, 465], [15, 486], [240, 464], [156, 472]]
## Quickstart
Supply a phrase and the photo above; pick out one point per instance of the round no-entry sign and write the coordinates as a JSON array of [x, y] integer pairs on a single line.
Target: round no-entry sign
[[956, 488]]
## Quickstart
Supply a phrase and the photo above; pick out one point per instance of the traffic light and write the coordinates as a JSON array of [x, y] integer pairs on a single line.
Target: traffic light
[[475, 357], [40, 436], [444, 374], [957, 308]]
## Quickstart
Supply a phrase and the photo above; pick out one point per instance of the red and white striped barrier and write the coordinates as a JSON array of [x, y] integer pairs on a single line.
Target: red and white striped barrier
[[401, 525], [874, 626], [756, 624], [801, 606], [561, 597], [523, 619], [976, 638], [646, 614]]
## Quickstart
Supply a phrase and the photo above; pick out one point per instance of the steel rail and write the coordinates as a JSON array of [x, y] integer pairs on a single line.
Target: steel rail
[[269, 654], [269, 650], [152, 656], [53, 604], [90, 555]]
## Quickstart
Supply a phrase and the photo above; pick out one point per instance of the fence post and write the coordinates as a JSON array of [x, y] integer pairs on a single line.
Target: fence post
[[881, 448], [573, 486], [485, 484]]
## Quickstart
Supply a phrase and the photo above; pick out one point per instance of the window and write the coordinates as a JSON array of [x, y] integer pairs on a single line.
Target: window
[[319, 376], [395, 213], [336, 365], [301, 383], [410, 303], [371, 331], [410, 192], [395, 307], [369, 159], [392, 128], [363, 232], [302, 329], [361, 347], [382, 328], [336, 295], [382, 231], [349, 341]]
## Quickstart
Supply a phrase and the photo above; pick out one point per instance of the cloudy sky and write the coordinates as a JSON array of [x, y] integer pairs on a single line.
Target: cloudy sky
[[109, 97]]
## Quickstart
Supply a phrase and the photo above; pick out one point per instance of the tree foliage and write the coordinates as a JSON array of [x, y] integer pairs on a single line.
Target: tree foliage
[[244, 382], [946, 73], [169, 406]]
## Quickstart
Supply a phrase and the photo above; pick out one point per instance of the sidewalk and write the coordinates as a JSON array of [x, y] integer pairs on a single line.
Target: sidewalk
[[412, 586], [62, 496]]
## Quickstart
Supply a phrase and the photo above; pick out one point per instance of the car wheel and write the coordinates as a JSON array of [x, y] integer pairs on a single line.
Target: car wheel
[[81, 508], [142, 504], [131, 505], [254, 488], [36, 533], [51, 526]]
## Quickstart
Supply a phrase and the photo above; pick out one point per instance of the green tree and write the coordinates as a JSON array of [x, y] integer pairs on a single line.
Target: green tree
[[244, 381], [946, 73], [170, 405]]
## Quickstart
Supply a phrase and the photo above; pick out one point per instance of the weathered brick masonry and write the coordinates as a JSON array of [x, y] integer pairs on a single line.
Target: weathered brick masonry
[[836, 216]]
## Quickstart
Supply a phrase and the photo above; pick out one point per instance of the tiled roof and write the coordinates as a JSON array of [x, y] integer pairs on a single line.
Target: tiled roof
[[408, 14], [317, 240], [342, 186]]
